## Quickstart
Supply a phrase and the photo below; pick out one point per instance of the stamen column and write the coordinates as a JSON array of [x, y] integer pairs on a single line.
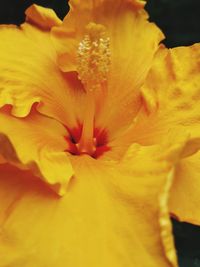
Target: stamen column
[[93, 67]]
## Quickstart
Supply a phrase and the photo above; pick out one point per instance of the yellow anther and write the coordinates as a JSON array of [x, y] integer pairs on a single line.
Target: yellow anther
[[94, 56]]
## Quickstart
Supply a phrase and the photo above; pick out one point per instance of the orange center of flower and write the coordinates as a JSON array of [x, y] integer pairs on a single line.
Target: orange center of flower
[[100, 140], [93, 63]]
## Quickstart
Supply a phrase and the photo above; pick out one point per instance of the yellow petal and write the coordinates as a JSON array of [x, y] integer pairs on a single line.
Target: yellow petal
[[81, 13], [133, 43], [29, 74], [172, 98], [37, 143], [112, 215], [45, 18], [174, 83], [185, 191]]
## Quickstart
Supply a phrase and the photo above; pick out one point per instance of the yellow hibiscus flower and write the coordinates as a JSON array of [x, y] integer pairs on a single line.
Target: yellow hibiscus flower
[[99, 127]]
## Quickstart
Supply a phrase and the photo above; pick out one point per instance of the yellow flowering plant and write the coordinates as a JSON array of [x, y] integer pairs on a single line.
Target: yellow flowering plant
[[99, 138]]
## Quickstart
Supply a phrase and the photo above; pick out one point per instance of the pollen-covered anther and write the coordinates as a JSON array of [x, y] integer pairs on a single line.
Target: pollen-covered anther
[[94, 56]]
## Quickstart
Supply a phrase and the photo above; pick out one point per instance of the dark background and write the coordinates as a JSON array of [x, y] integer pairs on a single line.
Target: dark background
[[180, 21]]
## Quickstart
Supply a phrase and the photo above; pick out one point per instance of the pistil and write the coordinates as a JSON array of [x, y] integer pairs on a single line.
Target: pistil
[[93, 66], [87, 143]]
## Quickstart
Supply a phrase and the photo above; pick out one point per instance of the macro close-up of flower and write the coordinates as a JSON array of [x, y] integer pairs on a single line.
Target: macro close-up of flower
[[99, 138]]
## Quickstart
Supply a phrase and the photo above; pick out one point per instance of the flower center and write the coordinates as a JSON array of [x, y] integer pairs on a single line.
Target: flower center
[[100, 140], [93, 61]]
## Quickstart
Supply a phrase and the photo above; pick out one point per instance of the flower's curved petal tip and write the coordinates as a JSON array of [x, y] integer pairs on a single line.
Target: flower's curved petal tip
[[28, 79], [166, 227], [42, 152], [44, 18], [9, 106], [138, 3], [56, 170], [181, 144], [192, 147], [60, 189]]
